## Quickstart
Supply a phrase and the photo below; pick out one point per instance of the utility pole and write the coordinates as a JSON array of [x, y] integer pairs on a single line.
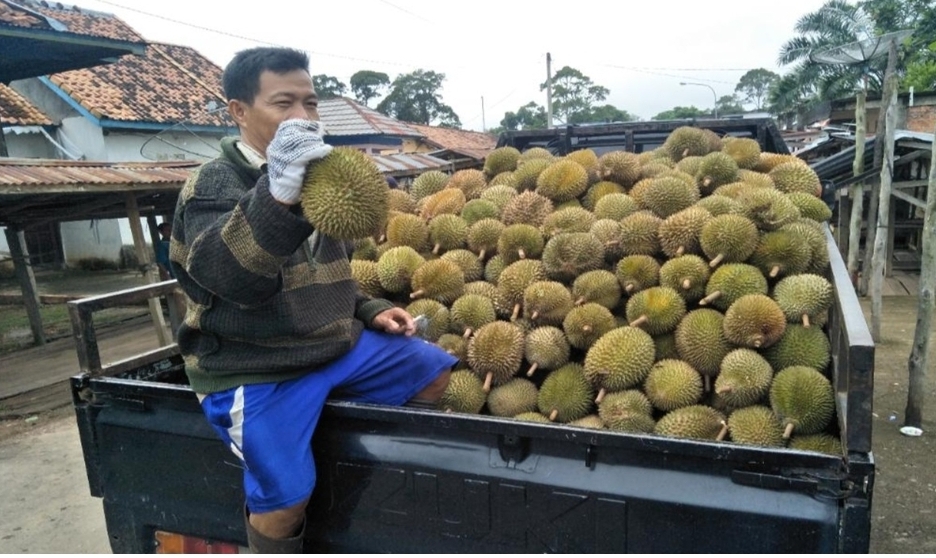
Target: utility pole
[[548, 90], [483, 125]]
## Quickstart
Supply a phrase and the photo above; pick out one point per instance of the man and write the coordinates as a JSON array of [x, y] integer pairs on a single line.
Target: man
[[275, 321], [162, 252]]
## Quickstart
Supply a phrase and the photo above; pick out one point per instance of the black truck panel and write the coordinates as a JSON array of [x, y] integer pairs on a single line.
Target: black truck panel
[[404, 480]]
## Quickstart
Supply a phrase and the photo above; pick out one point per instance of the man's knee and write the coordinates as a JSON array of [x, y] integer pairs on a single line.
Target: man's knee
[[280, 524], [434, 391]]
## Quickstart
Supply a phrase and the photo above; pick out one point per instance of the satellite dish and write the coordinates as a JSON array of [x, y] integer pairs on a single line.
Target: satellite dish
[[859, 52]]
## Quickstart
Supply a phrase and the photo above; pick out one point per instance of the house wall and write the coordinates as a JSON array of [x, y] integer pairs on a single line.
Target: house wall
[[922, 118], [41, 96], [29, 146]]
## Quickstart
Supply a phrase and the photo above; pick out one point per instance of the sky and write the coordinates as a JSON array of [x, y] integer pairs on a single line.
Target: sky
[[493, 53]]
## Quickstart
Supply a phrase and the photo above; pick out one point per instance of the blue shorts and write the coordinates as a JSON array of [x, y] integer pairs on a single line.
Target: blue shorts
[[270, 426]]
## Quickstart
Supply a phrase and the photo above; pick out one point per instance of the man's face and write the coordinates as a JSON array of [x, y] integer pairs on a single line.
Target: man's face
[[280, 97]]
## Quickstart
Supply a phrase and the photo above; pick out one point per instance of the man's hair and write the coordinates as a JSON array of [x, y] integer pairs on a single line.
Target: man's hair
[[163, 225], [241, 78]]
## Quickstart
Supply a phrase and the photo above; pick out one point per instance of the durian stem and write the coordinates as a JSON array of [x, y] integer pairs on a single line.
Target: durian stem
[[805, 320], [612, 243], [686, 284], [717, 260], [516, 312], [467, 333], [681, 250], [482, 253], [708, 383], [723, 390], [629, 288], [382, 239], [710, 298], [417, 294], [758, 341], [788, 431], [639, 321], [435, 249], [534, 315], [554, 415], [532, 370], [586, 328], [487, 382], [774, 271], [707, 181], [601, 394], [581, 300], [521, 253], [685, 152], [723, 432]]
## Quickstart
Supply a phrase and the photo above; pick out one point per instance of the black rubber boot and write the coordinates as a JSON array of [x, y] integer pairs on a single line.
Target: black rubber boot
[[261, 544]]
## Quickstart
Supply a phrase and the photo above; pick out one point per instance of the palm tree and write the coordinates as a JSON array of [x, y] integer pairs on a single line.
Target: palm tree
[[836, 23]]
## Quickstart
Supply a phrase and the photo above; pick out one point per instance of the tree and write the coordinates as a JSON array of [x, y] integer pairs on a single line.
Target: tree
[[573, 93], [367, 85], [415, 97], [528, 117], [754, 86], [604, 113], [328, 87], [679, 113], [729, 104]]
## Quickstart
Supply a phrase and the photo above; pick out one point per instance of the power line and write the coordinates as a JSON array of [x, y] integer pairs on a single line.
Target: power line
[[404, 10]]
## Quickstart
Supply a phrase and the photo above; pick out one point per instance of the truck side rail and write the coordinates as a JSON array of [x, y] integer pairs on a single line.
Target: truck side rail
[[81, 313], [852, 356]]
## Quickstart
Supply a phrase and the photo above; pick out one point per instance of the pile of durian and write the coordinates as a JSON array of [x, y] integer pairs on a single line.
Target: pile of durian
[[680, 292]]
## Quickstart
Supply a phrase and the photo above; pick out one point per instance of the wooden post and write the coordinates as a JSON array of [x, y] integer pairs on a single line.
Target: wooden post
[[24, 274], [913, 415], [133, 213], [879, 141], [891, 233], [154, 234], [857, 190], [880, 236]]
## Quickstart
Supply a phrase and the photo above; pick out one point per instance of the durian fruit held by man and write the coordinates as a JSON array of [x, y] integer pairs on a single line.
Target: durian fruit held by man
[[275, 323]]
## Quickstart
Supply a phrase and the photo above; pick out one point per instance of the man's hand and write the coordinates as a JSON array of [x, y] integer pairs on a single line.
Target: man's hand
[[296, 143], [395, 320]]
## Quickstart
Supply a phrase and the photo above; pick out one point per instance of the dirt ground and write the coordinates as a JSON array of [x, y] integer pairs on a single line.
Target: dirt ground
[[904, 496]]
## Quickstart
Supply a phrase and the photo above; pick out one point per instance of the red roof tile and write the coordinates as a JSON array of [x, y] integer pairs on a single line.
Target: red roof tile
[[76, 20], [15, 110], [346, 117], [168, 84], [474, 144]]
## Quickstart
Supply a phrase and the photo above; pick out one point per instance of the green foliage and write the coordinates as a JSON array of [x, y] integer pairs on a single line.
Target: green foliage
[[328, 87], [416, 97], [604, 113], [921, 76], [729, 104], [367, 85], [528, 117], [573, 92], [755, 84], [679, 113]]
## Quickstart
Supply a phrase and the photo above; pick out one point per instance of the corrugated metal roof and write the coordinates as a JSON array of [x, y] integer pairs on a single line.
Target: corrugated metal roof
[[345, 117], [408, 164], [42, 175]]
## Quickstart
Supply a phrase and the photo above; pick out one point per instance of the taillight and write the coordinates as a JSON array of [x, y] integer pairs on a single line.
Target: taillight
[[174, 543]]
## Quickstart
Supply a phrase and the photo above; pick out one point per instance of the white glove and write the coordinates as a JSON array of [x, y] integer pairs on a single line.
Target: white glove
[[296, 143]]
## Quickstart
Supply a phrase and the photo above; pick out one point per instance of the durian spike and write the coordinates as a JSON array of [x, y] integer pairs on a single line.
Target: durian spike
[[581, 300], [639, 321], [629, 288], [521, 253], [553, 415], [516, 312], [805, 320], [487, 382], [686, 284], [467, 333], [681, 250], [435, 249], [718, 259], [534, 315], [788, 431], [723, 432], [532, 369], [417, 294], [601, 394], [710, 298], [774, 271], [482, 253]]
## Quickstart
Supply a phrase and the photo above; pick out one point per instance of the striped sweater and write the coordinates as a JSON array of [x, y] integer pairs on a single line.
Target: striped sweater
[[268, 298]]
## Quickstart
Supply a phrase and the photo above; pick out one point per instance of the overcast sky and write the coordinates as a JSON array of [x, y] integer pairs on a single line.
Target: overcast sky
[[496, 49]]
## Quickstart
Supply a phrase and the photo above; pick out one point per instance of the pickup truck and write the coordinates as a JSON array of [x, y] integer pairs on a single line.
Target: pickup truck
[[413, 480]]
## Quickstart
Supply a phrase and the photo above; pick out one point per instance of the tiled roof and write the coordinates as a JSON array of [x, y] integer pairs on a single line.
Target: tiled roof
[[168, 84], [346, 117], [17, 111], [474, 144], [76, 20]]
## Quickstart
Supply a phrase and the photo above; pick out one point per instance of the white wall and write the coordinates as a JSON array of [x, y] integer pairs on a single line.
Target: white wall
[[160, 146], [90, 239], [29, 146]]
